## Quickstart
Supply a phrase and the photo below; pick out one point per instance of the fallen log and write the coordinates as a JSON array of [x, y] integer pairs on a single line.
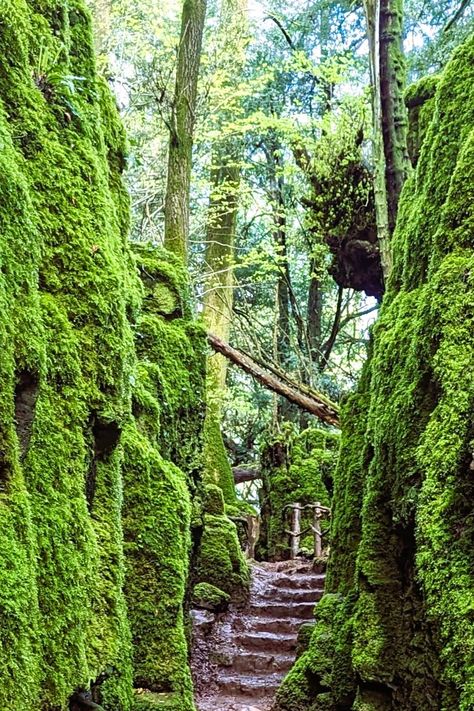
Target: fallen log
[[309, 400]]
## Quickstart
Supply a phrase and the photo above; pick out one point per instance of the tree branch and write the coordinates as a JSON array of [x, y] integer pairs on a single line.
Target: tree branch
[[310, 401], [285, 34], [457, 15], [241, 474]]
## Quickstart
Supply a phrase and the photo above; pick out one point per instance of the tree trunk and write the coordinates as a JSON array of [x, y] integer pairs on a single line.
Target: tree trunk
[[220, 255], [182, 128], [310, 401], [284, 410], [384, 26], [315, 313]]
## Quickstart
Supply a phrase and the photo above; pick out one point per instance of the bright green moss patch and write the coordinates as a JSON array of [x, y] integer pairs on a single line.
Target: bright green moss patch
[[217, 469], [419, 100], [149, 701], [167, 405]]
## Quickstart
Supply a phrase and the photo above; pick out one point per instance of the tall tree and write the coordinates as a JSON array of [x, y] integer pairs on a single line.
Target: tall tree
[[384, 28], [182, 127], [220, 242]]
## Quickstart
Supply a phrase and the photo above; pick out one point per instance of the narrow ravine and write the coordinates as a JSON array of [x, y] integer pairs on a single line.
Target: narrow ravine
[[241, 657]]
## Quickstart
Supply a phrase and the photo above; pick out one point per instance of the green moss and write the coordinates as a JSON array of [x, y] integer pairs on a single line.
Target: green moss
[[296, 468], [102, 381], [210, 597], [217, 469], [213, 500], [402, 531], [419, 100], [165, 432], [67, 351], [150, 701], [157, 544], [220, 560]]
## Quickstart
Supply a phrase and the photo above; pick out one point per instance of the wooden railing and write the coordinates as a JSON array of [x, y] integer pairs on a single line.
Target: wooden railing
[[319, 512]]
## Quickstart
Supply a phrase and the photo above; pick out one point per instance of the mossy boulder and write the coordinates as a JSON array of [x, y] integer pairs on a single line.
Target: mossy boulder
[[220, 560], [208, 597], [213, 500]]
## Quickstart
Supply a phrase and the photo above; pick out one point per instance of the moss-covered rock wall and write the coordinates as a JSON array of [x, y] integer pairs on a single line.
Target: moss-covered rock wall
[[162, 465], [102, 377], [395, 628], [67, 293]]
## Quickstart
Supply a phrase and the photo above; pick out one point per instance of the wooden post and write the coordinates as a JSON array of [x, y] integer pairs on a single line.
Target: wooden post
[[318, 548], [295, 530]]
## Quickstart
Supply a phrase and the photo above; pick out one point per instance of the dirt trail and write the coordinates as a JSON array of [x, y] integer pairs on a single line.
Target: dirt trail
[[240, 659]]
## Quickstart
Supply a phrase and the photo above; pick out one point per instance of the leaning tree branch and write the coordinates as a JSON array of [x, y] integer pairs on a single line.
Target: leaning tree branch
[[242, 474], [457, 15], [311, 401], [282, 29]]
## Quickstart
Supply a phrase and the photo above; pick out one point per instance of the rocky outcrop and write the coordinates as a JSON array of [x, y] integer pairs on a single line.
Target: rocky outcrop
[[394, 629], [102, 377]]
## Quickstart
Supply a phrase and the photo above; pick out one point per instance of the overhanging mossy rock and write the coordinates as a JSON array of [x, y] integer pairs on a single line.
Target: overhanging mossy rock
[[208, 597], [402, 635]]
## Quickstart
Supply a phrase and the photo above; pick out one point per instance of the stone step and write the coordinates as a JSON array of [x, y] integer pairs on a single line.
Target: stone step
[[291, 596], [262, 661], [254, 685], [284, 625], [314, 581], [269, 641], [301, 610]]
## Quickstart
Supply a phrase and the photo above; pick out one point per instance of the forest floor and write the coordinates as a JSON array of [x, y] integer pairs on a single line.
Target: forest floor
[[241, 657]]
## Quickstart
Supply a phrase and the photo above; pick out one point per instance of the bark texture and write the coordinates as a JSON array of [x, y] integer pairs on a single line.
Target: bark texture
[[182, 128], [308, 400], [385, 25]]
